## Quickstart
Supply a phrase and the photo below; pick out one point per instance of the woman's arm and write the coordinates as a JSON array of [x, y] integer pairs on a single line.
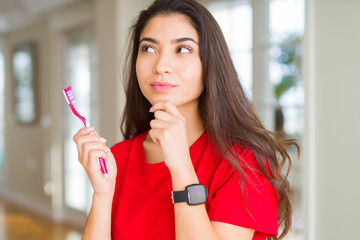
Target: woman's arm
[[98, 225], [90, 148], [191, 222]]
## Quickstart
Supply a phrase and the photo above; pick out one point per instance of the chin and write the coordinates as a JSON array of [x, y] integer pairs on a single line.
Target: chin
[[163, 99], [175, 100]]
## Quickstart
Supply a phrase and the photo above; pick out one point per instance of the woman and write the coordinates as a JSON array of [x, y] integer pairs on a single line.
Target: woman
[[196, 163]]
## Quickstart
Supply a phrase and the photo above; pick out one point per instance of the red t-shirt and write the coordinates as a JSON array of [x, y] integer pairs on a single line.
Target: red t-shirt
[[142, 205]]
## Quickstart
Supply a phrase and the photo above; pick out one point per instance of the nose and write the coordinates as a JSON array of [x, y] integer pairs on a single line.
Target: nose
[[163, 64]]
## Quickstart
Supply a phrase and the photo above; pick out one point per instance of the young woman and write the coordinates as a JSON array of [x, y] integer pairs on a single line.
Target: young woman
[[196, 163]]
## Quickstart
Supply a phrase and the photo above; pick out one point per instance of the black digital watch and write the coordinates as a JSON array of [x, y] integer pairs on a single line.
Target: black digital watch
[[194, 194]]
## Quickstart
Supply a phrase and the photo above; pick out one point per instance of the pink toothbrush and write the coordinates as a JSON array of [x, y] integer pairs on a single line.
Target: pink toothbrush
[[70, 98]]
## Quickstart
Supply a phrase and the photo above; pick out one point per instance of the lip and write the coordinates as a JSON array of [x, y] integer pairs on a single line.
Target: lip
[[162, 86]]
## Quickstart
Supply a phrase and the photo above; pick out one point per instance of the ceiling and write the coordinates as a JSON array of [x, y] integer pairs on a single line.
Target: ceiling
[[14, 13]]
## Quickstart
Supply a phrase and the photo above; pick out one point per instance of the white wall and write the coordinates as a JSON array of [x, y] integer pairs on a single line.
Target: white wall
[[332, 151]]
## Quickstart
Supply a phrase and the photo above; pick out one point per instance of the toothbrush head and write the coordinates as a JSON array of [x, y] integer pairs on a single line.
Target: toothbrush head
[[69, 96]]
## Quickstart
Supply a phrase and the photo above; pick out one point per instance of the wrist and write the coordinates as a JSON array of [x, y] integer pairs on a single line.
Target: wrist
[[180, 165], [183, 176], [194, 194], [102, 198], [104, 188]]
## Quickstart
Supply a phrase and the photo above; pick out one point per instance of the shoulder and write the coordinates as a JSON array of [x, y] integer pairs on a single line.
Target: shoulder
[[242, 157], [244, 198], [250, 161], [227, 170], [254, 168], [244, 153], [242, 177]]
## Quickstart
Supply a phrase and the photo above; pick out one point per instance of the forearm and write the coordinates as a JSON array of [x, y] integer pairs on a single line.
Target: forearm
[[191, 222], [98, 224]]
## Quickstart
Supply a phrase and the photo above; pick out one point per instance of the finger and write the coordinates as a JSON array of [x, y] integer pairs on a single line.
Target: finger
[[159, 124], [92, 164], [164, 116], [169, 118], [89, 147], [110, 164], [88, 138], [166, 106], [160, 105], [155, 135], [83, 131]]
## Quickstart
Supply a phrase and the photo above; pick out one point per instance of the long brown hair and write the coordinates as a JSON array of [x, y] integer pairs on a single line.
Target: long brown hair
[[227, 115]]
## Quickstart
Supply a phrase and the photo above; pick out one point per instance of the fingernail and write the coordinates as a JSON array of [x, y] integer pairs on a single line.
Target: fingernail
[[108, 149], [151, 109], [103, 140]]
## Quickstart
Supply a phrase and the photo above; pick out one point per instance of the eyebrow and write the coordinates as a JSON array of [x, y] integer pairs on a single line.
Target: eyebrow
[[175, 41]]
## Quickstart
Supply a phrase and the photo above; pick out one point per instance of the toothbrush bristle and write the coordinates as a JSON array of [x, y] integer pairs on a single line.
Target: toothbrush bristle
[[71, 96]]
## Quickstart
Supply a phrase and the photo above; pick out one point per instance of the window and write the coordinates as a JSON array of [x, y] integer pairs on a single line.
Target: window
[[286, 30], [235, 19], [265, 41], [78, 63]]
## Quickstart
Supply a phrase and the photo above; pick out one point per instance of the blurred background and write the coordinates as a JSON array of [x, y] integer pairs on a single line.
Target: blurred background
[[297, 59]]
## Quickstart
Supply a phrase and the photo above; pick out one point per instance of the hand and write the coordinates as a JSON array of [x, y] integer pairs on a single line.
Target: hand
[[169, 130], [90, 148]]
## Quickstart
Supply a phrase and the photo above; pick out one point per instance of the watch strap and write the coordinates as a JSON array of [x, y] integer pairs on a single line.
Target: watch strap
[[179, 196]]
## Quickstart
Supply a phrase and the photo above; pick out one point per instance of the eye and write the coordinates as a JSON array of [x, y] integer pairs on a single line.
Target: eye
[[184, 49], [147, 49]]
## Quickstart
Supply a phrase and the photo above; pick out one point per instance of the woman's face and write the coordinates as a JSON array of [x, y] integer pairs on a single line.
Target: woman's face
[[168, 65]]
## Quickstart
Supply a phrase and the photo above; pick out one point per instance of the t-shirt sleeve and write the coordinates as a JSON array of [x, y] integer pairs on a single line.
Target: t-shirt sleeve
[[253, 205]]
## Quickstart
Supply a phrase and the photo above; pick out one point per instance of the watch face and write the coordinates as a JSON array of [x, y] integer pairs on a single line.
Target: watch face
[[197, 194]]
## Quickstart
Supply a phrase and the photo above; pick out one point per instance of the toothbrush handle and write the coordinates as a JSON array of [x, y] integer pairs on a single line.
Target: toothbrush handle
[[103, 167], [77, 114], [101, 160], [86, 124]]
